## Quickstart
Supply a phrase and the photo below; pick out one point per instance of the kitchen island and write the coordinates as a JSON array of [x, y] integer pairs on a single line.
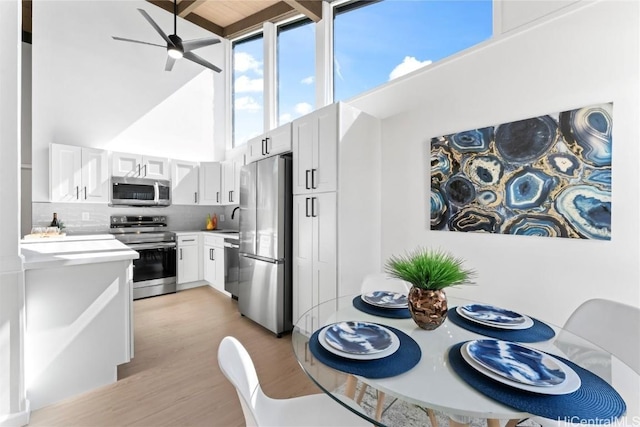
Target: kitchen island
[[78, 312]]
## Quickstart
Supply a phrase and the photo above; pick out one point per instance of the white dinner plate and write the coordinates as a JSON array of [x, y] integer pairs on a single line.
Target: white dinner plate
[[386, 299], [357, 339], [570, 384], [495, 317]]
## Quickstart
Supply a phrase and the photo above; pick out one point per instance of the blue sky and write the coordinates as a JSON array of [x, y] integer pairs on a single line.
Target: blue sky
[[372, 45]]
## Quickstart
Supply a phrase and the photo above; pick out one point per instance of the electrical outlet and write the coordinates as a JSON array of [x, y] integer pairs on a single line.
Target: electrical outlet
[[85, 216], [221, 217]]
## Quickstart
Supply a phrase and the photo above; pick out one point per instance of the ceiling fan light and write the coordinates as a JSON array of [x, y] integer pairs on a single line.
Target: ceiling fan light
[[174, 53]]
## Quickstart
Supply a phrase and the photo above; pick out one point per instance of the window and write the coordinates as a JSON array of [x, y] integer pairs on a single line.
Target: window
[[296, 70], [375, 42], [248, 89]]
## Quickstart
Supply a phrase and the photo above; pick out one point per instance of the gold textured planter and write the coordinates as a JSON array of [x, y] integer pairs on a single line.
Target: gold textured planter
[[428, 308]]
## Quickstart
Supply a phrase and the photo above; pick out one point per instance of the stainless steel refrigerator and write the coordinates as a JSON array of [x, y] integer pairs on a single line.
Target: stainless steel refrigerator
[[264, 288]]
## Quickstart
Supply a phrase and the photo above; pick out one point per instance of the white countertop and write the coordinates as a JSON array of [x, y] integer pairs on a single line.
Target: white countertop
[[226, 235], [52, 252]]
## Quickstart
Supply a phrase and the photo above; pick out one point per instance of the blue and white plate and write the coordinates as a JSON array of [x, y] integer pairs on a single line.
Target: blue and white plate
[[571, 383], [386, 299], [517, 363], [359, 340], [496, 317]]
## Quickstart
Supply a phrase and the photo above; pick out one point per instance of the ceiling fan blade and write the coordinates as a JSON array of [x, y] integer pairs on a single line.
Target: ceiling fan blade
[[170, 62], [156, 26], [195, 58], [190, 45], [136, 41]]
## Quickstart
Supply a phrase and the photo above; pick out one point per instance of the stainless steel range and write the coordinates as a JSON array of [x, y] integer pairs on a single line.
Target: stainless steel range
[[154, 273]]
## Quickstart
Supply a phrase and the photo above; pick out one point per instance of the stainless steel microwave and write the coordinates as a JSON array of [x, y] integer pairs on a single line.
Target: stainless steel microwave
[[139, 192]]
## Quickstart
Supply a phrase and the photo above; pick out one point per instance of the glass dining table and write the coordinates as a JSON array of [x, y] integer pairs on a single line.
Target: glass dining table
[[433, 383]]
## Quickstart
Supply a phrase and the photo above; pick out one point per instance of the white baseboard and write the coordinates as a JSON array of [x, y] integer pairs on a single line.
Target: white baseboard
[[17, 419]]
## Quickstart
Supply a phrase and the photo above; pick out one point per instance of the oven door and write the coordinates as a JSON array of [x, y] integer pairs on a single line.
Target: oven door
[[154, 273]]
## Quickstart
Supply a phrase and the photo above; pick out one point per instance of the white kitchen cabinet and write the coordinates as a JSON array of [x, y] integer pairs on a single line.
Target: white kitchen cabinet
[[214, 262], [210, 183], [184, 182], [139, 166], [231, 180], [337, 215], [314, 253], [315, 151], [188, 262], [78, 174], [276, 141]]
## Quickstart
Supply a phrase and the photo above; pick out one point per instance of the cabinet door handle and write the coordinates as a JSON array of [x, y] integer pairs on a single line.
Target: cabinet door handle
[[145, 170], [77, 192], [195, 197], [313, 207], [213, 254], [263, 146], [313, 178], [217, 197], [306, 207], [85, 192], [306, 179], [138, 169], [210, 254], [180, 253], [266, 145], [188, 240], [231, 196]]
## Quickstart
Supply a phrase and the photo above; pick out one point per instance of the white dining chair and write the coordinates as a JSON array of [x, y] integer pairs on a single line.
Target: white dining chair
[[610, 325], [261, 410]]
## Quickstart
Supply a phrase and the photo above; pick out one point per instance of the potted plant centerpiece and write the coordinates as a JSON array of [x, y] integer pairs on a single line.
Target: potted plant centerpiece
[[429, 272]]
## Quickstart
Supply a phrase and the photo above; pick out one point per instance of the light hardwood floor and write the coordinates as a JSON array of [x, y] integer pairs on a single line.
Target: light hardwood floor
[[174, 379]]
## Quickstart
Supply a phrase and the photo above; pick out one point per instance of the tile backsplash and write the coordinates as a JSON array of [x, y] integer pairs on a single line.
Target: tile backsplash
[[93, 218]]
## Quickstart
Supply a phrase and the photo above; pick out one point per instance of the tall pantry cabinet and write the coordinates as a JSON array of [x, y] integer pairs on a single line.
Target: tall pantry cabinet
[[336, 206]]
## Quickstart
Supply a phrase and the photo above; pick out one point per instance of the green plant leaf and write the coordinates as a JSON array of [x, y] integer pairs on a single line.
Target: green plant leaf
[[428, 269]]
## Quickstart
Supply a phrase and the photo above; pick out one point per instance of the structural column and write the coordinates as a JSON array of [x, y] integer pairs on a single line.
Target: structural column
[[13, 404]]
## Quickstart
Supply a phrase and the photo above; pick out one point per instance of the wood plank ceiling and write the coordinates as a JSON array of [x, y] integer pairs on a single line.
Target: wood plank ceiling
[[226, 18]]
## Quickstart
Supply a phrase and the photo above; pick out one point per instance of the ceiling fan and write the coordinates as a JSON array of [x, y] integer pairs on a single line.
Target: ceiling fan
[[176, 48]]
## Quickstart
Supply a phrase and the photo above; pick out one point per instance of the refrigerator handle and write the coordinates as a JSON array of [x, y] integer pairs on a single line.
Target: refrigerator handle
[[306, 207], [313, 207], [306, 179]]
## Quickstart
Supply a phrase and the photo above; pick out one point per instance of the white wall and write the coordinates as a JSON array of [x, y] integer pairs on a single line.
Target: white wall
[[91, 90], [584, 54]]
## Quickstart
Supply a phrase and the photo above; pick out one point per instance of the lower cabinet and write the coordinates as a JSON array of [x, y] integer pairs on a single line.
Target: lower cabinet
[[213, 261], [314, 255], [188, 264]]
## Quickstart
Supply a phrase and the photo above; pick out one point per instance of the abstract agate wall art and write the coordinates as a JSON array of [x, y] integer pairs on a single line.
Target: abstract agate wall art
[[545, 176]]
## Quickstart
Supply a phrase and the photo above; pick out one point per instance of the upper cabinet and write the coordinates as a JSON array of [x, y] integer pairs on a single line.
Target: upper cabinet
[[210, 183], [184, 182], [276, 141], [231, 180], [315, 147], [139, 166], [78, 174]]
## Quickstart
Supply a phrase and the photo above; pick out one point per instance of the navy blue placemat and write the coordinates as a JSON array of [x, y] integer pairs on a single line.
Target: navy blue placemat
[[391, 313], [536, 333], [405, 358], [595, 402]]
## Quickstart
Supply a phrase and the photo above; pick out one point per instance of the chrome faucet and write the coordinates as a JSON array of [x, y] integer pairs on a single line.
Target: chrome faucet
[[234, 211]]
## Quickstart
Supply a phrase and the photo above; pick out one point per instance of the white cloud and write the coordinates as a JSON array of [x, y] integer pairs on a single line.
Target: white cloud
[[247, 103], [303, 108], [307, 80], [246, 84], [408, 64], [285, 118], [337, 68], [243, 62]]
